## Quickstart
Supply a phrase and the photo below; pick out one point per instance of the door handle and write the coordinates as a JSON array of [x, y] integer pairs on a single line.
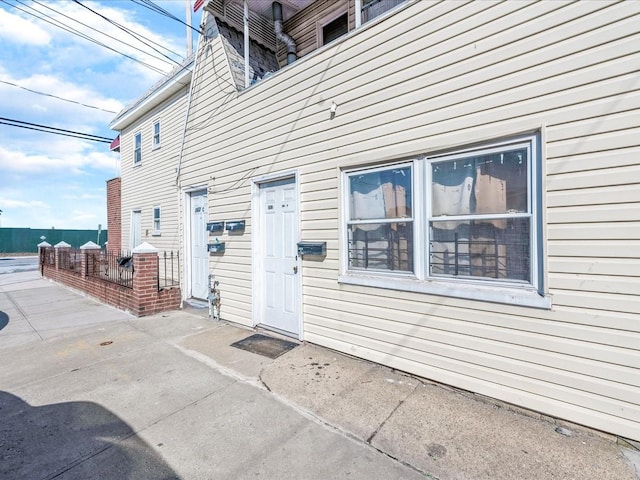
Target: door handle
[[295, 269]]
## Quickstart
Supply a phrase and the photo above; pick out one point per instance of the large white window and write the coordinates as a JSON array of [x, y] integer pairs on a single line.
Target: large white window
[[465, 220], [137, 148]]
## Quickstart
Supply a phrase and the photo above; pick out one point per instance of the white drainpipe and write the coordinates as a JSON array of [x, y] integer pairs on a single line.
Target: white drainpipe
[[247, 79]]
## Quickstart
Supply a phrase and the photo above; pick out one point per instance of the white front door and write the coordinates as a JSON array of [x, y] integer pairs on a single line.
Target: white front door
[[199, 255], [136, 229], [279, 287]]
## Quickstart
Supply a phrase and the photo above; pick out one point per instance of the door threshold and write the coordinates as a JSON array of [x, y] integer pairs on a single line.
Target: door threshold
[[262, 326]]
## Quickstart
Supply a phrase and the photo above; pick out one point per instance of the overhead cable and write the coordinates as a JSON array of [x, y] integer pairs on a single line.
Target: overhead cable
[[56, 97], [58, 131], [87, 37]]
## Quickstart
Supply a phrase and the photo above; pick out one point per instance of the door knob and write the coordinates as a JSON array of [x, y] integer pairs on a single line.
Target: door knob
[[295, 269]]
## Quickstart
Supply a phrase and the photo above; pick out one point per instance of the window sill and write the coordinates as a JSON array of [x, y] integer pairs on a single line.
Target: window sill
[[524, 296], [155, 147]]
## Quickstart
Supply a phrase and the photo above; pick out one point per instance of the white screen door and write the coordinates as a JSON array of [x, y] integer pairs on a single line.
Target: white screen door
[[199, 254], [279, 286]]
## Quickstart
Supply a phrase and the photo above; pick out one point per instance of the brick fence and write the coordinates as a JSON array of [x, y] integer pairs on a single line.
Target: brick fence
[[141, 299]]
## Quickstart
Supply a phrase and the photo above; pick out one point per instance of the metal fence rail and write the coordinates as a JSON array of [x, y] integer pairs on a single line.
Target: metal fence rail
[[71, 259], [168, 269], [112, 267]]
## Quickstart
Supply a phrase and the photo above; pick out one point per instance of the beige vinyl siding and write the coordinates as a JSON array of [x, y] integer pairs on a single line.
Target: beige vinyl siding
[[429, 77], [152, 183], [303, 26]]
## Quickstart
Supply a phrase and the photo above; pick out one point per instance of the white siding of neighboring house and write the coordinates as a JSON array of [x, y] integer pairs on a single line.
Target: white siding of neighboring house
[[152, 183], [431, 76]]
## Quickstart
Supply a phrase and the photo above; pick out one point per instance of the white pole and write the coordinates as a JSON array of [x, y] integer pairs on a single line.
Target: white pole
[[358, 13], [187, 4], [247, 80]]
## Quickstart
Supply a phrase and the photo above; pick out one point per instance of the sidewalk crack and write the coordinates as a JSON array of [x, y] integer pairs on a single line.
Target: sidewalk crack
[[382, 424]]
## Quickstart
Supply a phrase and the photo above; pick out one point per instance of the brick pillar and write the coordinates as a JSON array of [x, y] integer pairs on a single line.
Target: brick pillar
[[145, 279], [90, 259], [61, 248], [42, 248], [114, 215]]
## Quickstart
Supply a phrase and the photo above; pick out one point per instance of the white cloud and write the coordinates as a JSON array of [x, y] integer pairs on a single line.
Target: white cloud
[[16, 29], [9, 203], [74, 162]]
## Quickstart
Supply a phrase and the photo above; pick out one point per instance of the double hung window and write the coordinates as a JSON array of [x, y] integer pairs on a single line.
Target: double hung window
[[137, 148], [463, 217], [156, 220], [156, 134]]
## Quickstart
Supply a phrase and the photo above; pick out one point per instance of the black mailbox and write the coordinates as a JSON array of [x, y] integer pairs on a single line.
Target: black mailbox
[[216, 247], [312, 249], [235, 226], [215, 227]]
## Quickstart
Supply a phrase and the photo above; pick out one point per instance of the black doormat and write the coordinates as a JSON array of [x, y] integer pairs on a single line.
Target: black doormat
[[265, 346]]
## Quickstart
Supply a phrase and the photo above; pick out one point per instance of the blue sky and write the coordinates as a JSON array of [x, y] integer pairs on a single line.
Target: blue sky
[[56, 181]]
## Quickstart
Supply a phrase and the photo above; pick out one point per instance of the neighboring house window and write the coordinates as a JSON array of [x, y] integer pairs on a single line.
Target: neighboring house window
[[137, 150], [156, 220], [467, 216], [156, 134], [335, 29], [374, 8]]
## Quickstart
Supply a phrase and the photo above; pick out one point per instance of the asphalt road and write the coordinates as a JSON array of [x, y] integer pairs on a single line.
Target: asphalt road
[[18, 264]]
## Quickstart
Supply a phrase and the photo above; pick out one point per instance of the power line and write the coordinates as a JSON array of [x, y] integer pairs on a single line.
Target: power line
[[158, 9], [58, 131], [130, 32], [56, 97], [101, 32], [86, 37]]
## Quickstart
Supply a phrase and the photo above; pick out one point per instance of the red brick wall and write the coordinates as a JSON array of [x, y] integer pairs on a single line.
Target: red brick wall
[[141, 300], [114, 215]]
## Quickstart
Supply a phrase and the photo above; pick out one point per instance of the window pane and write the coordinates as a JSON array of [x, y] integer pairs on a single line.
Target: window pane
[[488, 249], [381, 246], [485, 184], [381, 194]]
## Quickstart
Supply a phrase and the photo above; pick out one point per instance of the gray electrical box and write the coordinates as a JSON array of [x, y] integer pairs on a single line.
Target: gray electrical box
[[312, 249]]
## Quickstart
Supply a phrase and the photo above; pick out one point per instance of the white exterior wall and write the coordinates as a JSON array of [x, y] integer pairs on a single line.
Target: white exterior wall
[[431, 76], [152, 182]]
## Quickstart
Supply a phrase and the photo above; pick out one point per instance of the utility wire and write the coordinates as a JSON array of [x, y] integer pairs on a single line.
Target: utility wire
[[56, 97], [101, 32], [158, 9], [86, 37], [56, 133], [59, 131], [130, 32]]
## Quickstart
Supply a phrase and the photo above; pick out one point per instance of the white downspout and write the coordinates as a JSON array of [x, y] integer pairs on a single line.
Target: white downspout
[[247, 79], [358, 13]]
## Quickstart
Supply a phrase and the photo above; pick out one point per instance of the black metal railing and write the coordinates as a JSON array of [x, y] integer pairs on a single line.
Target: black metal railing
[[168, 269], [112, 267], [70, 259]]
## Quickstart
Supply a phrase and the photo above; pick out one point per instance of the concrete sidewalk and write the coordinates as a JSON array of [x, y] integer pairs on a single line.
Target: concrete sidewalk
[[415, 429]]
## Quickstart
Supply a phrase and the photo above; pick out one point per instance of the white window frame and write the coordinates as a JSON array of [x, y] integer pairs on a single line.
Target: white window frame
[[155, 136], [137, 148], [156, 229], [530, 294]]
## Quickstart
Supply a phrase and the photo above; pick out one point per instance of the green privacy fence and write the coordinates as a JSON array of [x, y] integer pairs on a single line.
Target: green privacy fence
[[25, 240]]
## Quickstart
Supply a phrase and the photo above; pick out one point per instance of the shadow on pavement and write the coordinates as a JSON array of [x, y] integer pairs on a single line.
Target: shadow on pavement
[[72, 440], [4, 319]]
